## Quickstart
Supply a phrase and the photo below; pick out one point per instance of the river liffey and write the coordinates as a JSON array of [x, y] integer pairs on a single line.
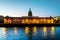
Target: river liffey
[[30, 33]]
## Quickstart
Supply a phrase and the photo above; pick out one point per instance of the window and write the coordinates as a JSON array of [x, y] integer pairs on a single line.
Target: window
[[52, 21], [5, 20]]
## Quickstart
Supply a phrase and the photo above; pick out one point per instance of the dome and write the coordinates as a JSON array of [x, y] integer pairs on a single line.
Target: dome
[[30, 12]]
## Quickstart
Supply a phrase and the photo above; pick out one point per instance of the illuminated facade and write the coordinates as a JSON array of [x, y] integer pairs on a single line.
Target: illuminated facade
[[28, 19]]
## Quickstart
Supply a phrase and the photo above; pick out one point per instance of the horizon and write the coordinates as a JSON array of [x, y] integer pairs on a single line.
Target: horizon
[[40, 8]]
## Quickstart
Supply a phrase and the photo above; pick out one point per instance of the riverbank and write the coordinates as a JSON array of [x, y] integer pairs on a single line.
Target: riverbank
[[30, 25]]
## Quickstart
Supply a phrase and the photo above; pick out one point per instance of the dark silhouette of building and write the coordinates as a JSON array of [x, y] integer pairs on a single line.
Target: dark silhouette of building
[[1, 19], [30, 12]]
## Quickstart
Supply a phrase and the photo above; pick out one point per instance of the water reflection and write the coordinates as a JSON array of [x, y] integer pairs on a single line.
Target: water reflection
[[27, 30], [30, 33], [34, 30], [15, 30], [3, 33], [44, 31], [52, 31], [4, 30]]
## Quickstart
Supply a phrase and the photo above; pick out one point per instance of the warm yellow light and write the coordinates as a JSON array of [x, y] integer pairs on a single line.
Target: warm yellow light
[[26, 20], [52, 21], [27, 30], [9, 21], [56, 18], [44, 20], [52, 30], [23, 21], [4, 30], [48, 20], [37, 21], [34, 29], [34, 21], [40, 20], [5, 20], [30, 21], [44, 31]]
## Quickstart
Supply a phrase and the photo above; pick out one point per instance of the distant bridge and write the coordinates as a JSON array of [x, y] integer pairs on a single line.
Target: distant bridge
[[30, 25]]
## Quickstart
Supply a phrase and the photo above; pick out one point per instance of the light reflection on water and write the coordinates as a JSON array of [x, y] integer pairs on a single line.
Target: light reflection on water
[[2, 33], [15, 30], [30, 33], [27, 30], [44, 31], [52, 31], [34, 30]]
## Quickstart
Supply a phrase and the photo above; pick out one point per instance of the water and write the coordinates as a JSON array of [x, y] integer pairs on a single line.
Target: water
[[30, 33]]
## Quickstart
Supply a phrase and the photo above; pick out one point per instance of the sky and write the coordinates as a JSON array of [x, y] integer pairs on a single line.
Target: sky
[[41, 8]]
